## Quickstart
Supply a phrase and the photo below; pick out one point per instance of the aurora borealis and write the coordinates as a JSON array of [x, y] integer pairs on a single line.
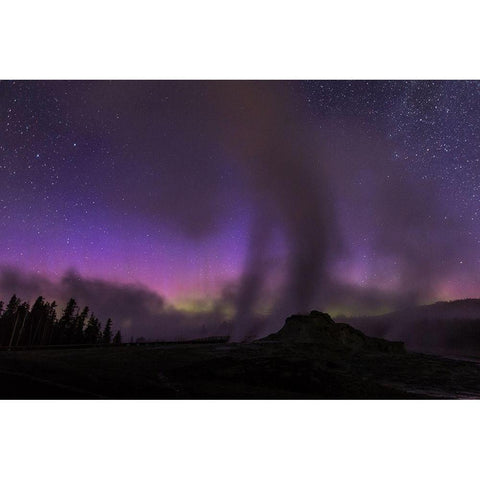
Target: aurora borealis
[[172, 206]]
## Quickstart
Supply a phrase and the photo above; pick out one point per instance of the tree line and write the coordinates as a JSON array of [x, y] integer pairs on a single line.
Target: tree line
[[21, 325]]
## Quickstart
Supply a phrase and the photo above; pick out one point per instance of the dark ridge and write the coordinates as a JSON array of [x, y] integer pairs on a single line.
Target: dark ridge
[[443, 328]]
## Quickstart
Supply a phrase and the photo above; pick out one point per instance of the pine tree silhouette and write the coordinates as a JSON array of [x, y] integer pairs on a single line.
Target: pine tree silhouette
[[79, 335], [8, 320], [93, 330], [107, 332], [117, 339], [21, 325]]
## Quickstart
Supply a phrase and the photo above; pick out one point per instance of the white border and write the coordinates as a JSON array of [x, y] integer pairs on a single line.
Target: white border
[[413, 39], [239, 439], [249, 39]]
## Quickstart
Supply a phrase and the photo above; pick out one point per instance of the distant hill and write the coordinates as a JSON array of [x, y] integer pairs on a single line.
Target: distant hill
[[443, 327]]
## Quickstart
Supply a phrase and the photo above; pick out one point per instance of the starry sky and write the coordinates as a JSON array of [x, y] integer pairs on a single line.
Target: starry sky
[[181, 208]]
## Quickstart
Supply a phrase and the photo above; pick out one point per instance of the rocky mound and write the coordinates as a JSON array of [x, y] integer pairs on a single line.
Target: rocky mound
[[319, 328]]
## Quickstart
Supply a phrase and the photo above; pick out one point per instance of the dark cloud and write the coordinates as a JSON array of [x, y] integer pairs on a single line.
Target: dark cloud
[[134, 309]]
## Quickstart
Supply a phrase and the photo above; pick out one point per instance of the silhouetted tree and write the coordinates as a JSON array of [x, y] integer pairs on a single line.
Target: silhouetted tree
[[79, 336], [22, 326], [19, 325], [36, 320], [93, 330], [49, 328], [117, 339], [8, 320], [107, 332], [66, 324]]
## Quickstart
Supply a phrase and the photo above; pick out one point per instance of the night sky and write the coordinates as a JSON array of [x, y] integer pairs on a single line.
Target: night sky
[[181, 208]]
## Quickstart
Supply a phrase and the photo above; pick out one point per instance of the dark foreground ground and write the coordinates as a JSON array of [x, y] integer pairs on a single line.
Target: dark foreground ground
[[232, 371], [310, 357]]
